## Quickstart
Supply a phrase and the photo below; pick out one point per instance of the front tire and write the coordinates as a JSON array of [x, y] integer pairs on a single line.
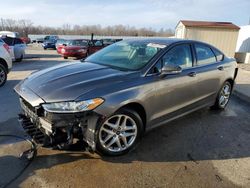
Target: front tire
[[119, 133], [223, 96], [65, 57], [3, 75]]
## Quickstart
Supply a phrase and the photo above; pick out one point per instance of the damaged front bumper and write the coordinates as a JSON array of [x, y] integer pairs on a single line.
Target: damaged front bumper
[[57, 129]]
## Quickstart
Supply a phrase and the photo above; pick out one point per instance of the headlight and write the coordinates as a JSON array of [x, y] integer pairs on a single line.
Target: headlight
[[69, 107]]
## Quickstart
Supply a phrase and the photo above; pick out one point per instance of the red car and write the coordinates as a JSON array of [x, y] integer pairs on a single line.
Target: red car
[[74, 48], [79, 48]]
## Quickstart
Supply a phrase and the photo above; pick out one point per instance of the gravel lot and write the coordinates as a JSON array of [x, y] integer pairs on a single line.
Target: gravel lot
[[203, 149]]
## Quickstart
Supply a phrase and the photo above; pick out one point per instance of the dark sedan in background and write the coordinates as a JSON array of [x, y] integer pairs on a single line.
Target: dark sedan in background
[[115, 95], [49, 44]]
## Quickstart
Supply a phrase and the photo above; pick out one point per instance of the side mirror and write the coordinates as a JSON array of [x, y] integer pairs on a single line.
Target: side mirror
[[171, 69]]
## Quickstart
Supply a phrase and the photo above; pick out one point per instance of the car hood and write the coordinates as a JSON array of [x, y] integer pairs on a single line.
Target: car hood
[[68, 81]]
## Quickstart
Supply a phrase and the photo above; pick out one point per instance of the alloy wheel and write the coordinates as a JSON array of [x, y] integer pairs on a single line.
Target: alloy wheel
[[118, 133], [224, 95]]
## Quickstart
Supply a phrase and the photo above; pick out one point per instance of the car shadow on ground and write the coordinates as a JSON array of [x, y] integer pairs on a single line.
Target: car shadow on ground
[[203, 135], [44, 55]]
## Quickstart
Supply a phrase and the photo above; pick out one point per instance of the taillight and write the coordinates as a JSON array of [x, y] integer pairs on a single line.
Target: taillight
[[6, 47]]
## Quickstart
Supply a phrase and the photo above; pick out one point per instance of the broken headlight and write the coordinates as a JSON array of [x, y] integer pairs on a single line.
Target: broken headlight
[[69, 107]]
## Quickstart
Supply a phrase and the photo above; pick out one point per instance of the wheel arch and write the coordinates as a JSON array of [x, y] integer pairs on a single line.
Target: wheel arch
[[3, 62], [231, 81], [139, 109]]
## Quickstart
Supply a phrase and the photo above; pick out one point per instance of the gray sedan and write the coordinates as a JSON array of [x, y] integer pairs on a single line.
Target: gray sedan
[[110, 99]]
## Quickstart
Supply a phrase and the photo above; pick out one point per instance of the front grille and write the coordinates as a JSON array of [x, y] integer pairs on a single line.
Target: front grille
[[32, 130], [29, 110], [33, 114], [38, 111], [27, 105]]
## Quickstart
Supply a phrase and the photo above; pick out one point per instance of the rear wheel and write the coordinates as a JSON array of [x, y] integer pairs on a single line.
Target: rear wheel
[[3, 75], [223, 96], [119, 133], [65, 57]]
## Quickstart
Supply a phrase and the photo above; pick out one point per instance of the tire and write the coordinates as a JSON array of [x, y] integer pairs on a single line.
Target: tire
[[45, 48], [133, 132], [3, 75], [19, 59], [221, 104], [65, 57]]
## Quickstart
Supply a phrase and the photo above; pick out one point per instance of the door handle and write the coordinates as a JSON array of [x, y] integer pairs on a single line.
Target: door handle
[[221, 68], [192, 74]]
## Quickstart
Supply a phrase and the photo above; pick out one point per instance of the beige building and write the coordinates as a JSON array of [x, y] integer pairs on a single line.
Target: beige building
[[222, 35]]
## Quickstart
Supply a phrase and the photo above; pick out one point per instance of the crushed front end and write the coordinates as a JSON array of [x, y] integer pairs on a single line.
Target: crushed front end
[[58, 130]]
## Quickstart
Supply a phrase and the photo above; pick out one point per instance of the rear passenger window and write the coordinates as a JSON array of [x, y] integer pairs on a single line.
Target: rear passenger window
[[218, 54], [204, 54]]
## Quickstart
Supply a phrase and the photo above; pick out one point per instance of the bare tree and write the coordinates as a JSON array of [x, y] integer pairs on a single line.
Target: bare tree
[[25, 27]]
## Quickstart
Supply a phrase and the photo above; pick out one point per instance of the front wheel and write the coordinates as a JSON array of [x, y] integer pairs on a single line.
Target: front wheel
[[119, 133], [3, 75], [223, 96]]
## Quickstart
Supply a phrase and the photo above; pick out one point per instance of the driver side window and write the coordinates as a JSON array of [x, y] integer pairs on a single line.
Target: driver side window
[[179, 56]]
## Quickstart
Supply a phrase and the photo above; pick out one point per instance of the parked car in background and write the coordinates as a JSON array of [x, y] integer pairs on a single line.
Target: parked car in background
[[51, 43], [107, 42], [125, 89], [5, 62], [46, 38], [17, 48], [74, 48], [94, 46], [60, 43], [10, 34], [38, 40], [25, 40], [51, 37]]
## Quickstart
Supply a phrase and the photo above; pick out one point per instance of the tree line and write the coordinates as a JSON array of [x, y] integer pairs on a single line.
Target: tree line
[[25, 27]]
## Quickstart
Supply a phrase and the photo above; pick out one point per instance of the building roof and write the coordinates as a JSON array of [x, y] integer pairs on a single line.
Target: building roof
[[224, 25]]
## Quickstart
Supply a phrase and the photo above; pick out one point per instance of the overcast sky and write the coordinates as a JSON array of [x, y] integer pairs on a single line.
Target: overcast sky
[[139, 13]]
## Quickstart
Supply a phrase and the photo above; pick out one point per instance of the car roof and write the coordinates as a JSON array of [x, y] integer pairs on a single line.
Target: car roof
[[164, 41]]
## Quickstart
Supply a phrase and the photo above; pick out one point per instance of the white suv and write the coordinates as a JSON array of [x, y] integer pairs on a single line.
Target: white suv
[[5, 62]]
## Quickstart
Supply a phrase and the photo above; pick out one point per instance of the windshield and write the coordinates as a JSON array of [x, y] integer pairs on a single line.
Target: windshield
[[77, 43], [129, 55]]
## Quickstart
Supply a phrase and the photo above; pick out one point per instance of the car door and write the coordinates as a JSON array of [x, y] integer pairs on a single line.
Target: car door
[[175, 93], [209, 73]]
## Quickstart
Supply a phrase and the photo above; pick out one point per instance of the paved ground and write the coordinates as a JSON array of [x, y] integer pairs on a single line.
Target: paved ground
[[204, 149]]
